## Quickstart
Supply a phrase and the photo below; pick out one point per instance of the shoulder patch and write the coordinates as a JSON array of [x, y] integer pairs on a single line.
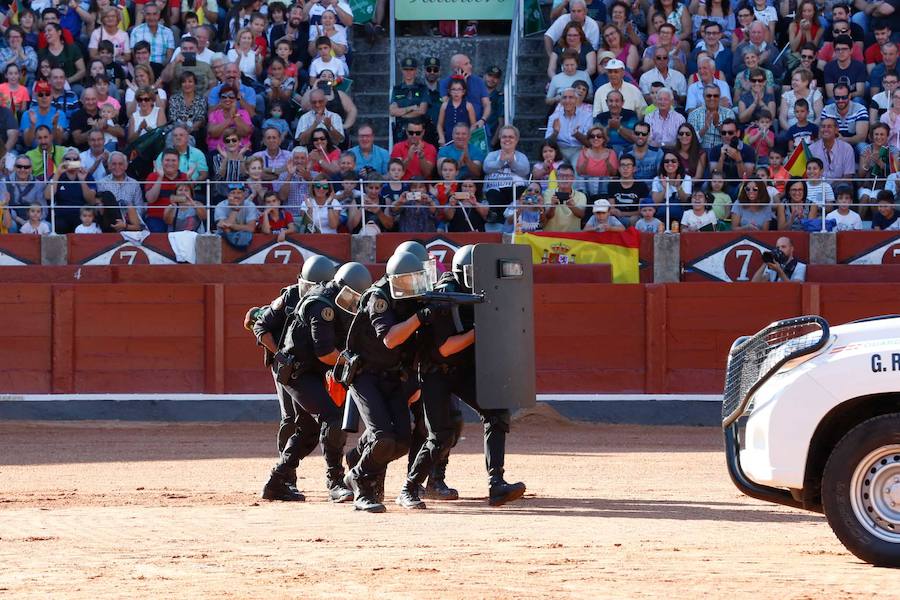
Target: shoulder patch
[[380, 305], [328, 313]]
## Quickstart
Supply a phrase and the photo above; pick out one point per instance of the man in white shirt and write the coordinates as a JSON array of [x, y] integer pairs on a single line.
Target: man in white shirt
[[781, 268], [670, 78], [633, 99], [577, 13]]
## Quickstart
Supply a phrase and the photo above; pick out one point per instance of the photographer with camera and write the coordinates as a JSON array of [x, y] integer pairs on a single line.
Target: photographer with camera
[[73, 188], [780, 264], [415, 211]]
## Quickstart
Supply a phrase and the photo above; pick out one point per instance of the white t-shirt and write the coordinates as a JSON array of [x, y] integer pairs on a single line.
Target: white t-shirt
[[694, 222], [320, 215], [335, 65], [92, 228], [42, 229], [339, 37], [160, 93], [247, 62], [591, 29], [849, 222]]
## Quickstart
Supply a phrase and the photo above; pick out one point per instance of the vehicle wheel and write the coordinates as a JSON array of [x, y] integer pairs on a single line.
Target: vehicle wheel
[[861, 490]]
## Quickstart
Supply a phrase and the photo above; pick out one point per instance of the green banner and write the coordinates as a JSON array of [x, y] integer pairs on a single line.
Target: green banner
[[363, 10], [436, 10], [479, 138], [534, 18]]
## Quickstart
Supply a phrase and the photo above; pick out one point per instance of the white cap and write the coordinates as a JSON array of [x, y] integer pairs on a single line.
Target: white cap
[[601, 205], [615, 64]]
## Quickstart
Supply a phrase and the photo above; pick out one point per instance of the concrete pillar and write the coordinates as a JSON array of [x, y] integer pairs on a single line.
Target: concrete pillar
[[54, 250], [823, 248], [209, 249], [362, 248], [666, 257]]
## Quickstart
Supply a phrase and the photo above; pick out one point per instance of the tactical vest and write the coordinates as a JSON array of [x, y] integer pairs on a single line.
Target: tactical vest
[[363, 341]]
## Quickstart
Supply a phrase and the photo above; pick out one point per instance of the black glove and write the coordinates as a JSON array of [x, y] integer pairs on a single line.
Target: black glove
[[425, 314]]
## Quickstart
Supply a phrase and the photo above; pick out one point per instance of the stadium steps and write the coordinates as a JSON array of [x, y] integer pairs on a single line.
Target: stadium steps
[[530, 92], [370, 75]]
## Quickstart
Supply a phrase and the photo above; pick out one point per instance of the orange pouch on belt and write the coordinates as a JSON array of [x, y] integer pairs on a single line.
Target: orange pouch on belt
[[336, 390]]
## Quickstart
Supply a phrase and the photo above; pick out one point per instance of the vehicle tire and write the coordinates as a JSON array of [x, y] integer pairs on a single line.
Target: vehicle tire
[[861, 490]]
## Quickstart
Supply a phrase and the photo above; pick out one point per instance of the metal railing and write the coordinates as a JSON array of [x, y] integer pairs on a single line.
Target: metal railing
[[392, 79], [510, 84]]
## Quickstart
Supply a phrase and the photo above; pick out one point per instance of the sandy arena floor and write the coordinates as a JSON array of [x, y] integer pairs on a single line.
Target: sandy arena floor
[[104, 510]]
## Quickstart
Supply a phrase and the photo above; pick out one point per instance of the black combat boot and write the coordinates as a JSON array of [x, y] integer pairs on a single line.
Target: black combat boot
[[437, 488], [338, 491], [278, 488], [409, 496], [363, 495], [502, 492], [291, 478], [378, 486]]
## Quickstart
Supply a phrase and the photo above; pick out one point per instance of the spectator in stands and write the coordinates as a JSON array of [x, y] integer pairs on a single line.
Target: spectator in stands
[[292, 184], [274, 219], [188, 107], [633, 99], [323, 210], [93, 160], [46, 156], [417, 156], [228, 162], [614, 41], [246, 55], [875, 163], [236, 218], [574, 41], [455, 110], [185, 213], [62, 98], [758, 98], [159, 189], [732, 157], [330, 28], [800, 90], [676, 14], [566, 127], [257, 188], [885, 217], [753, 210], [34, 225], [842, 218], [565, 207], [375, 216], [625, 193], [67, 57], [186, 62], [707, 119], [231, 79], [465, 210], [476, 90], [706, 69], [664, 122], [190, 160], [671, 188], [147, 117], [369, 156], [564, 79], [836, 154], [274, 157], [15, 52], [790, 270], [23, 190], [468, 156], [126, 191], [409, 98], [851, 117], [319, 118], [757, 33], [71, 188], [672, 79], [228, 115], [577, 14], [891, 118], [713, 44], [743, 83], [415, 210], [844, 68], [618, 121], [43, 115], [544, 171], [647, 159], [596, 164], [160, 37], [794, 211], [887, 65], [504, 169], [690, 153], [667, 41], [9, 126], [109, 30], [88, 117], [700, 217], [326, 60], [881, 101], [601, 219]]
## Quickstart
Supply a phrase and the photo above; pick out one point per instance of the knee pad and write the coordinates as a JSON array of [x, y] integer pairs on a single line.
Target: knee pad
[[384, 449], [496, 419], [332, 436]]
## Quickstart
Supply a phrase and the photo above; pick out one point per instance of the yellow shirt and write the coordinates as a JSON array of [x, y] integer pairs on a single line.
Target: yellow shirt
[[563, 218]]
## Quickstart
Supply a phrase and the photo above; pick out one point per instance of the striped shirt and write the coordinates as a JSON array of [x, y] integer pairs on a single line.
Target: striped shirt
[[856, 113], [160, 42]]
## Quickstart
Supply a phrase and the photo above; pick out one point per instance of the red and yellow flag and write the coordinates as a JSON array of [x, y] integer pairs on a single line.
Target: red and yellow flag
[[617, 248], [796, 163]]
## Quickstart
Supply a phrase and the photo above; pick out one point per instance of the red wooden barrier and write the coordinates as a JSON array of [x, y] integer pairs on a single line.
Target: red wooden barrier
[[868, 247], [590, 338], [732, 256], [266, 249], [18, 249], [598, 273], [853, 273], [113, 249]]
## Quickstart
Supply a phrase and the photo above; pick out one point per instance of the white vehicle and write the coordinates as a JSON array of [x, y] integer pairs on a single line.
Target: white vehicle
[[812, 420]]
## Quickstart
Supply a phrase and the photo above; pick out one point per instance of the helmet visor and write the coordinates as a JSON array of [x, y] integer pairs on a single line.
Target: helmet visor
[[409, 285], [348, 300], [431, 268], [305, 285], [468, 276]]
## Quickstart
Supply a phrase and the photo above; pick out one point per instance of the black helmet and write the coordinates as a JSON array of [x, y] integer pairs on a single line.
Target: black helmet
[[407, 276], [414, 247], [316, 269], [462, 265], [352, 280]]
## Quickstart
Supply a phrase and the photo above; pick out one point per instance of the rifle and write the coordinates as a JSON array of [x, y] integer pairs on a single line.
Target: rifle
[[457, 298]]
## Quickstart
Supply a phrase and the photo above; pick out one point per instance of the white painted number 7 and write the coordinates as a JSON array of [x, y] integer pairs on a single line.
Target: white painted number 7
[[128, 255], [284, 255], [745, 267]]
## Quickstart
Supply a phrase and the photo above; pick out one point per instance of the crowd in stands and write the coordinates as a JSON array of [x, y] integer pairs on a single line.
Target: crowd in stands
[[239, 116], [686, 114]]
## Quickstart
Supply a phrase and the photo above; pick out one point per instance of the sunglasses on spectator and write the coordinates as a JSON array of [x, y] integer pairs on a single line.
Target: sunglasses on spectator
[[23, 166], [412, 132], [318, 139], [321, 186], [598, 136], [728, 132], [231, 140], [43, 94], [711, 95], [751, 188], [642, 133], [757, 80], [807, 56], [227, 96], [145, 99], [684, 133], [842, 97], [670, 160], [841, 31], [664, 57], [432, 69]]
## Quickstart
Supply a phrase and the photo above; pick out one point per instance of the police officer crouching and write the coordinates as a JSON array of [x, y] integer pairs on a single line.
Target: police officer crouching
[[381, 338], [312, 345], [447, 367], [269, 325]]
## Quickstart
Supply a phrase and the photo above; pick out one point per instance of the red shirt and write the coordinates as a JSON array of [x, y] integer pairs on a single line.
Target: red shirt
[[412, 168], [156, 209], [67, 38], [444, 191], [873, 55], [276, 225]]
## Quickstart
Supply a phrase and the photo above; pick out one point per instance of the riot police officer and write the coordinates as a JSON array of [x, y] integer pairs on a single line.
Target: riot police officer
[[381, 337], [312, 345], [270, 326], [448, 367]]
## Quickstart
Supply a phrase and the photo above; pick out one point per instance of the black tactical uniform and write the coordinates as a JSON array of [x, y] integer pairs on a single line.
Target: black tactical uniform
[[319, 327], [441, 377], [381, 388], [404, 95]]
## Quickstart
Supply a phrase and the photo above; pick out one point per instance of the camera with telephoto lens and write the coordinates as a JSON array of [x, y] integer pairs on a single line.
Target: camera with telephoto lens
[[775, 255]]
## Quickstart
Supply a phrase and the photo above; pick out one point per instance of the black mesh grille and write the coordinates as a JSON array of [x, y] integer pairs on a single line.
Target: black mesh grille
[[752, 360]]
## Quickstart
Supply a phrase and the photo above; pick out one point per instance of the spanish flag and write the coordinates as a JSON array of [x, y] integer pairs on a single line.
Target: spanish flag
[[617, 248], [796, 164]]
